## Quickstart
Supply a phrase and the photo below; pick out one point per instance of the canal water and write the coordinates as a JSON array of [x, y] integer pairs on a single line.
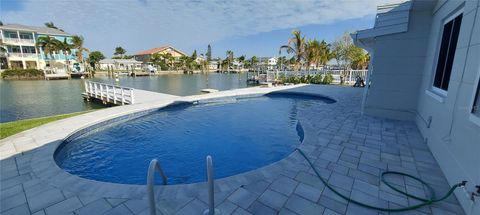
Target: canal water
[[39, 98]]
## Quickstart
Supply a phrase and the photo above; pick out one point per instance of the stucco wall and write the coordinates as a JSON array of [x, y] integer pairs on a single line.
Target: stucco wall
[[453, 137], [398, 68]]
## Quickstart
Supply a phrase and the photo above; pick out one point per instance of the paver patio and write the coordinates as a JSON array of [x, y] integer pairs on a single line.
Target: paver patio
[[348, 149]]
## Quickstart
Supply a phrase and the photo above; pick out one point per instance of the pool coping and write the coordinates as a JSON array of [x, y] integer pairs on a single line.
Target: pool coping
[[47, 138]]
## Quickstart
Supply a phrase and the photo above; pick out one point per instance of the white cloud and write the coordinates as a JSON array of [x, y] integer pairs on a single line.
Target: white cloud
[[141, 24]]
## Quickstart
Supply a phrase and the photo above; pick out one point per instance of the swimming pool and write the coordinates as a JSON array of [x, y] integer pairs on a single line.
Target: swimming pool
[[241, 134]]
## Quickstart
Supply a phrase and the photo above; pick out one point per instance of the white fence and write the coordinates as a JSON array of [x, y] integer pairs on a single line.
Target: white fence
[[109, 93], [349, 76]]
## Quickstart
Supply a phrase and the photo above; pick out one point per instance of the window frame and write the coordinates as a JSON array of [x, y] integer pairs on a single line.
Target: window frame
[[474, 118], [439, 91]]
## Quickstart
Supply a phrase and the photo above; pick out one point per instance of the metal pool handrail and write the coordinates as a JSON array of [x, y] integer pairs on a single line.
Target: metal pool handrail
[[154, 165], [211, 210]]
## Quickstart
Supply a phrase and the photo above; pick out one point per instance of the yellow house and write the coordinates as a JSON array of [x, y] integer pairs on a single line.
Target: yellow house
[[144, 56]]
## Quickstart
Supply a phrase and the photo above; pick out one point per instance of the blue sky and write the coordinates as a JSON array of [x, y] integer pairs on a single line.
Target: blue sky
[[243, 26]]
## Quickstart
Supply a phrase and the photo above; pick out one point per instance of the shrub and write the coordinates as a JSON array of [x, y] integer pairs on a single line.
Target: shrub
[[22, 73], [328, 79], [309, 79]]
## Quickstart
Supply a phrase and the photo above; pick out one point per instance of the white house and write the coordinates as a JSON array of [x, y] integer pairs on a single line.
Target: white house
[[425, 67], [120, 64], [272, 63], [213, 65]]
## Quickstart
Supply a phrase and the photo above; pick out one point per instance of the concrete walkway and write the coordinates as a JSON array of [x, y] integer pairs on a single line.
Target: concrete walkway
[[350, 150]]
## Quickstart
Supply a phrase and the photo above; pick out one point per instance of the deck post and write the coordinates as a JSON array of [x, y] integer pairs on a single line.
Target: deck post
[[108, 99], [101, 92], [131, 97], [96, 89], [91, 88], [123, 96], [114, 95]]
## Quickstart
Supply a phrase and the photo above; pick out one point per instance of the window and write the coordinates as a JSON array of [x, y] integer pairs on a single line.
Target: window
[[26, 36], [12, 35], [447, 53], [476, 103]]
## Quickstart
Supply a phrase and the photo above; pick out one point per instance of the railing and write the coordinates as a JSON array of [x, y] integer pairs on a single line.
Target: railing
[[26, 41], [17, 40], [29, 55], [350, 76], [15, 54], [210, 182], [109, 93], [11, 40], [155, 166], [152, 168]]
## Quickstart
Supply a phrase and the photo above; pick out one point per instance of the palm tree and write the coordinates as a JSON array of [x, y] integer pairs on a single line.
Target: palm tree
[[168, 59], [229, 59], [253, 61], [296, 46], [313, 53], [326, 54], [77, 43], [51, 25], [66, 49], [48, 45], [120, 51]]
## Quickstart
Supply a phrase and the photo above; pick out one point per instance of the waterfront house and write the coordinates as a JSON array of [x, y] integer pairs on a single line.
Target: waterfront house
[[22, 52], [120, 64], [200, 59], [144, 56], [425, 67], [272, 63], [213, 65]]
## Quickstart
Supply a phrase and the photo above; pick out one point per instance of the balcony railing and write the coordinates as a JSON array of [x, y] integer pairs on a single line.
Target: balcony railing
[[19, 55], [11, 40], [18, 41], [15, 54], [29, 55], [27, 41]]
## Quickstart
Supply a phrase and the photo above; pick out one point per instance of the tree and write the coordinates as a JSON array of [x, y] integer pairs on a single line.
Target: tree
[[253, 61], [229, 59], [326, 54], [66, 49], [77, 43], [120, 51], [48, 45], [282, 62], [194, 54], [95, 57], [296, 46], [51, 25], [360, 58], [209, 53], [313, 53], [168, 59], [342, 48]]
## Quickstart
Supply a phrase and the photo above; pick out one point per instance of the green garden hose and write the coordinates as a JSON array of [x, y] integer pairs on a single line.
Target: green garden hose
[[429, 201]]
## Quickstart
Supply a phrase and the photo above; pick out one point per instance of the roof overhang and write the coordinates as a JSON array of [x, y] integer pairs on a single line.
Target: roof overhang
[[391, 19]]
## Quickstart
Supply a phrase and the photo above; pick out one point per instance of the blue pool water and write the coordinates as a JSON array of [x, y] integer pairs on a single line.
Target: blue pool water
[[241, 134]]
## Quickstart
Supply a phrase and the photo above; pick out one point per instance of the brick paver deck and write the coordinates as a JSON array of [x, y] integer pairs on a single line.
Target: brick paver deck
[[350, 150]]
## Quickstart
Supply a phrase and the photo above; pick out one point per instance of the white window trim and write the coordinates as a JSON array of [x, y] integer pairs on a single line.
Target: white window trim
[[473, 118], [435, 90], [436, 96]]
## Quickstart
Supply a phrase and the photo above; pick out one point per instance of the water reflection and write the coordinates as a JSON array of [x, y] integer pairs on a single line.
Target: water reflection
[[38, 98]]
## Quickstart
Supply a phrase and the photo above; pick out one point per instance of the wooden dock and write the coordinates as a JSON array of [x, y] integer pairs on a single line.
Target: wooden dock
[[108, 93], [119, 95]]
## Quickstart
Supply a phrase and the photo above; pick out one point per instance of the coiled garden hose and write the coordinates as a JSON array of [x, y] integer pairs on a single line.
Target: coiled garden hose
[[429, 201]]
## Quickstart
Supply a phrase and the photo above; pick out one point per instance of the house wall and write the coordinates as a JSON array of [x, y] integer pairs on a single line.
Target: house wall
[[398, 68], [454, 136]]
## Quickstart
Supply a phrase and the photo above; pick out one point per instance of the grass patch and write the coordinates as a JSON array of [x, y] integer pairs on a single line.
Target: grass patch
[[11, 128]]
